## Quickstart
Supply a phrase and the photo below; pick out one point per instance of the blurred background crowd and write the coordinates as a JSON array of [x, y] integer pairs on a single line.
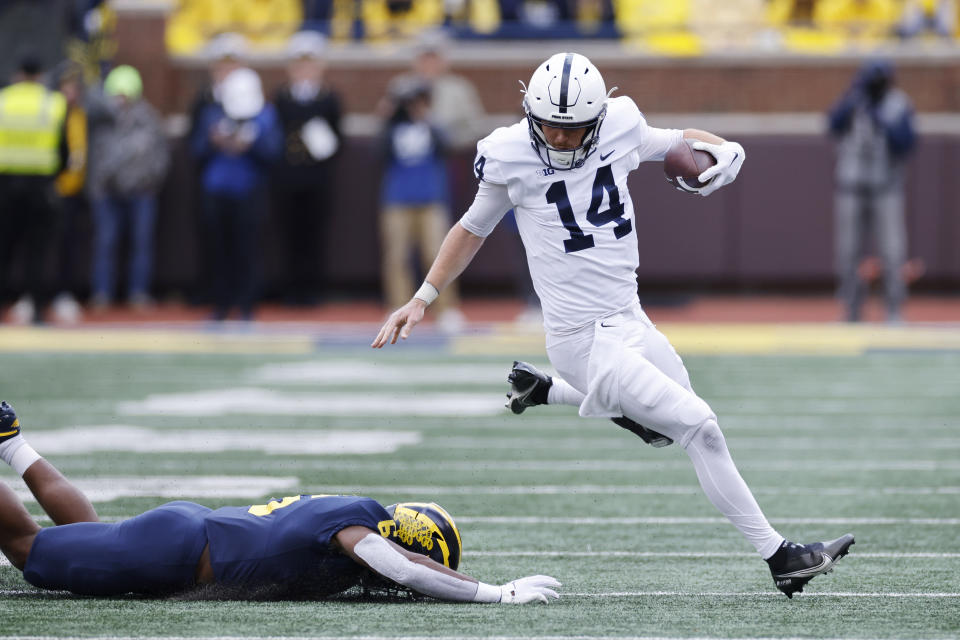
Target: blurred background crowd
[[222, 153]]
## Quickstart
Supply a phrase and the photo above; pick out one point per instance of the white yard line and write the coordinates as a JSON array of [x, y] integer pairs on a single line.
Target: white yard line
[[665, 520], [431, 637], [592, 489], [668, 520], [666, 554], [686, 554], [614, 439], [105, 489], [346, 372], [573, 466], [760, 594], [121, 437], [250, 401]]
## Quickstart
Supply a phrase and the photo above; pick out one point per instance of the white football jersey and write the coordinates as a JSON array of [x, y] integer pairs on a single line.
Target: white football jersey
[[577, 226]]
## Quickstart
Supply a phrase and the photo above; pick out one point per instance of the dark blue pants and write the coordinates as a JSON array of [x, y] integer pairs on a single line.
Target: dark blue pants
[[155, 552], [233, 230]]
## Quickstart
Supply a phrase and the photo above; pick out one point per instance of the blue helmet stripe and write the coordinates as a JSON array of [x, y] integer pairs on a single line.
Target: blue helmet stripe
[[565, 82]]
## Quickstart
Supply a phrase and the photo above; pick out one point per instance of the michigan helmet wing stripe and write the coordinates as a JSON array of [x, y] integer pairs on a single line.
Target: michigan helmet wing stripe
[[453, 543], [565, 82], [436, 520]]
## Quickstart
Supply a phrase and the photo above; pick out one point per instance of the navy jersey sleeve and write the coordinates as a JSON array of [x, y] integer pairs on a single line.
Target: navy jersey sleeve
[[278, 541]]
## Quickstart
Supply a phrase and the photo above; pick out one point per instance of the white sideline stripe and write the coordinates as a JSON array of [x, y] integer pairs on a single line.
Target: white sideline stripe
[[686, 554], [683, 520], [104, 489], [761, 594], [572, 466], [654, 554], [592, 489], [343, 372], [267, 402], [121, 437], [432, 637], [666, 520], [614, 440]]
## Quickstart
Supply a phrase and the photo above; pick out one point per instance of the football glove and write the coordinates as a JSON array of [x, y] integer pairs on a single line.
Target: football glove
[[529, 589], [729, 156]]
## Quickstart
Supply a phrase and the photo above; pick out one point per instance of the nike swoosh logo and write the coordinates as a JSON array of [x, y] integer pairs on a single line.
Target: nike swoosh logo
[[736, 154], [607, 326], [810, 571], [604, 157]]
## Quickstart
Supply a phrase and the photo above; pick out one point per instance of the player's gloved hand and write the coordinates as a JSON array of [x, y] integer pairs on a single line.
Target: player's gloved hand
[[529, 589], [729, 155]]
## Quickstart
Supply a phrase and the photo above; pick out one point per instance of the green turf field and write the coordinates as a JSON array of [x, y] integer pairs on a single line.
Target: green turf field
[[866, 443]]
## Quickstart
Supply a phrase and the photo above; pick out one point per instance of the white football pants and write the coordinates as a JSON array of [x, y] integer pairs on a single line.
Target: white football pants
[[624, 366]]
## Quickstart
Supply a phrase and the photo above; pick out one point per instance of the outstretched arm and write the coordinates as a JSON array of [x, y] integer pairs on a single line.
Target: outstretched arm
[[456, 252], [423, 575]]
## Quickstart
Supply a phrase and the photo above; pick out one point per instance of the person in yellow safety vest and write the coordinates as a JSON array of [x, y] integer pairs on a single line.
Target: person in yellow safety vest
[[32, 151]]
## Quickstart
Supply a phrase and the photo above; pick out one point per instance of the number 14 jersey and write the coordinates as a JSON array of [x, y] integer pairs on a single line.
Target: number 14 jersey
[[577, 226]]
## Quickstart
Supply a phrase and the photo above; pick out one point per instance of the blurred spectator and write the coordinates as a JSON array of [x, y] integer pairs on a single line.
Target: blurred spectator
[[414, 213], [472, 17], [129, 159], [32, 151], [237, 140], [793, 28], [70, 187], [385, 19], [873, 122], [455, 105], [937, 17], [317, 15], [556, 18], [225, 53], [267, 24], [309, 113]]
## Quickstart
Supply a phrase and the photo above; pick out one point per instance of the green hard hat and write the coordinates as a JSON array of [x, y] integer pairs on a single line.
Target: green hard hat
[[123, 81]]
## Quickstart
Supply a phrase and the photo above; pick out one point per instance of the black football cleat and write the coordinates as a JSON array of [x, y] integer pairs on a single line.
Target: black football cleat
[[528, 387], [651, 437], [794, 565], [9, 425]]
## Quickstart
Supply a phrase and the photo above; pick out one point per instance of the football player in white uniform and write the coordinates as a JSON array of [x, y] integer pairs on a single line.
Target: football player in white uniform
[[563, 170]]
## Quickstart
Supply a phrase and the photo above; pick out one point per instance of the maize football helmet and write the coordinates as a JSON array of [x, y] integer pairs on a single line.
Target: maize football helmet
[[426, 528], [567, 92]]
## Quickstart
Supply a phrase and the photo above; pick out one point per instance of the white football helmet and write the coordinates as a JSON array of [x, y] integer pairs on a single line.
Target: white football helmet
[[567, 92]]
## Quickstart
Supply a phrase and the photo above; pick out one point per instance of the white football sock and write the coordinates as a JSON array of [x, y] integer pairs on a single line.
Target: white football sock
[[18, 454], [561, 392], [727, 490]]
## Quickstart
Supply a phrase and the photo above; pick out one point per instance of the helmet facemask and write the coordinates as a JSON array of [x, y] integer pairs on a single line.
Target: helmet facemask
[[565, 92], [564, 159]]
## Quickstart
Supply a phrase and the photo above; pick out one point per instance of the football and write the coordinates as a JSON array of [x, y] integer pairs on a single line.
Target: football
[[683, 164]]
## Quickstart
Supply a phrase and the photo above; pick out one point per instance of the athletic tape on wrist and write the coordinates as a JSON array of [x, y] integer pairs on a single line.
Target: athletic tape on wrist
[[22, 459], [427, 292]]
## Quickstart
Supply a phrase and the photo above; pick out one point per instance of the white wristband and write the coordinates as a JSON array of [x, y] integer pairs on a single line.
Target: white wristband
[[487, 593], [427, 293]]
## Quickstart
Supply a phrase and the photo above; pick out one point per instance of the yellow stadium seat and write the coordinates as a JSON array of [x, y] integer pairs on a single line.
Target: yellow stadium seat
[[265, 23], [658, 27]]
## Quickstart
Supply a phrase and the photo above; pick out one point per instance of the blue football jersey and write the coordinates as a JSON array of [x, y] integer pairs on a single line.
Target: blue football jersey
[[288, 541]]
